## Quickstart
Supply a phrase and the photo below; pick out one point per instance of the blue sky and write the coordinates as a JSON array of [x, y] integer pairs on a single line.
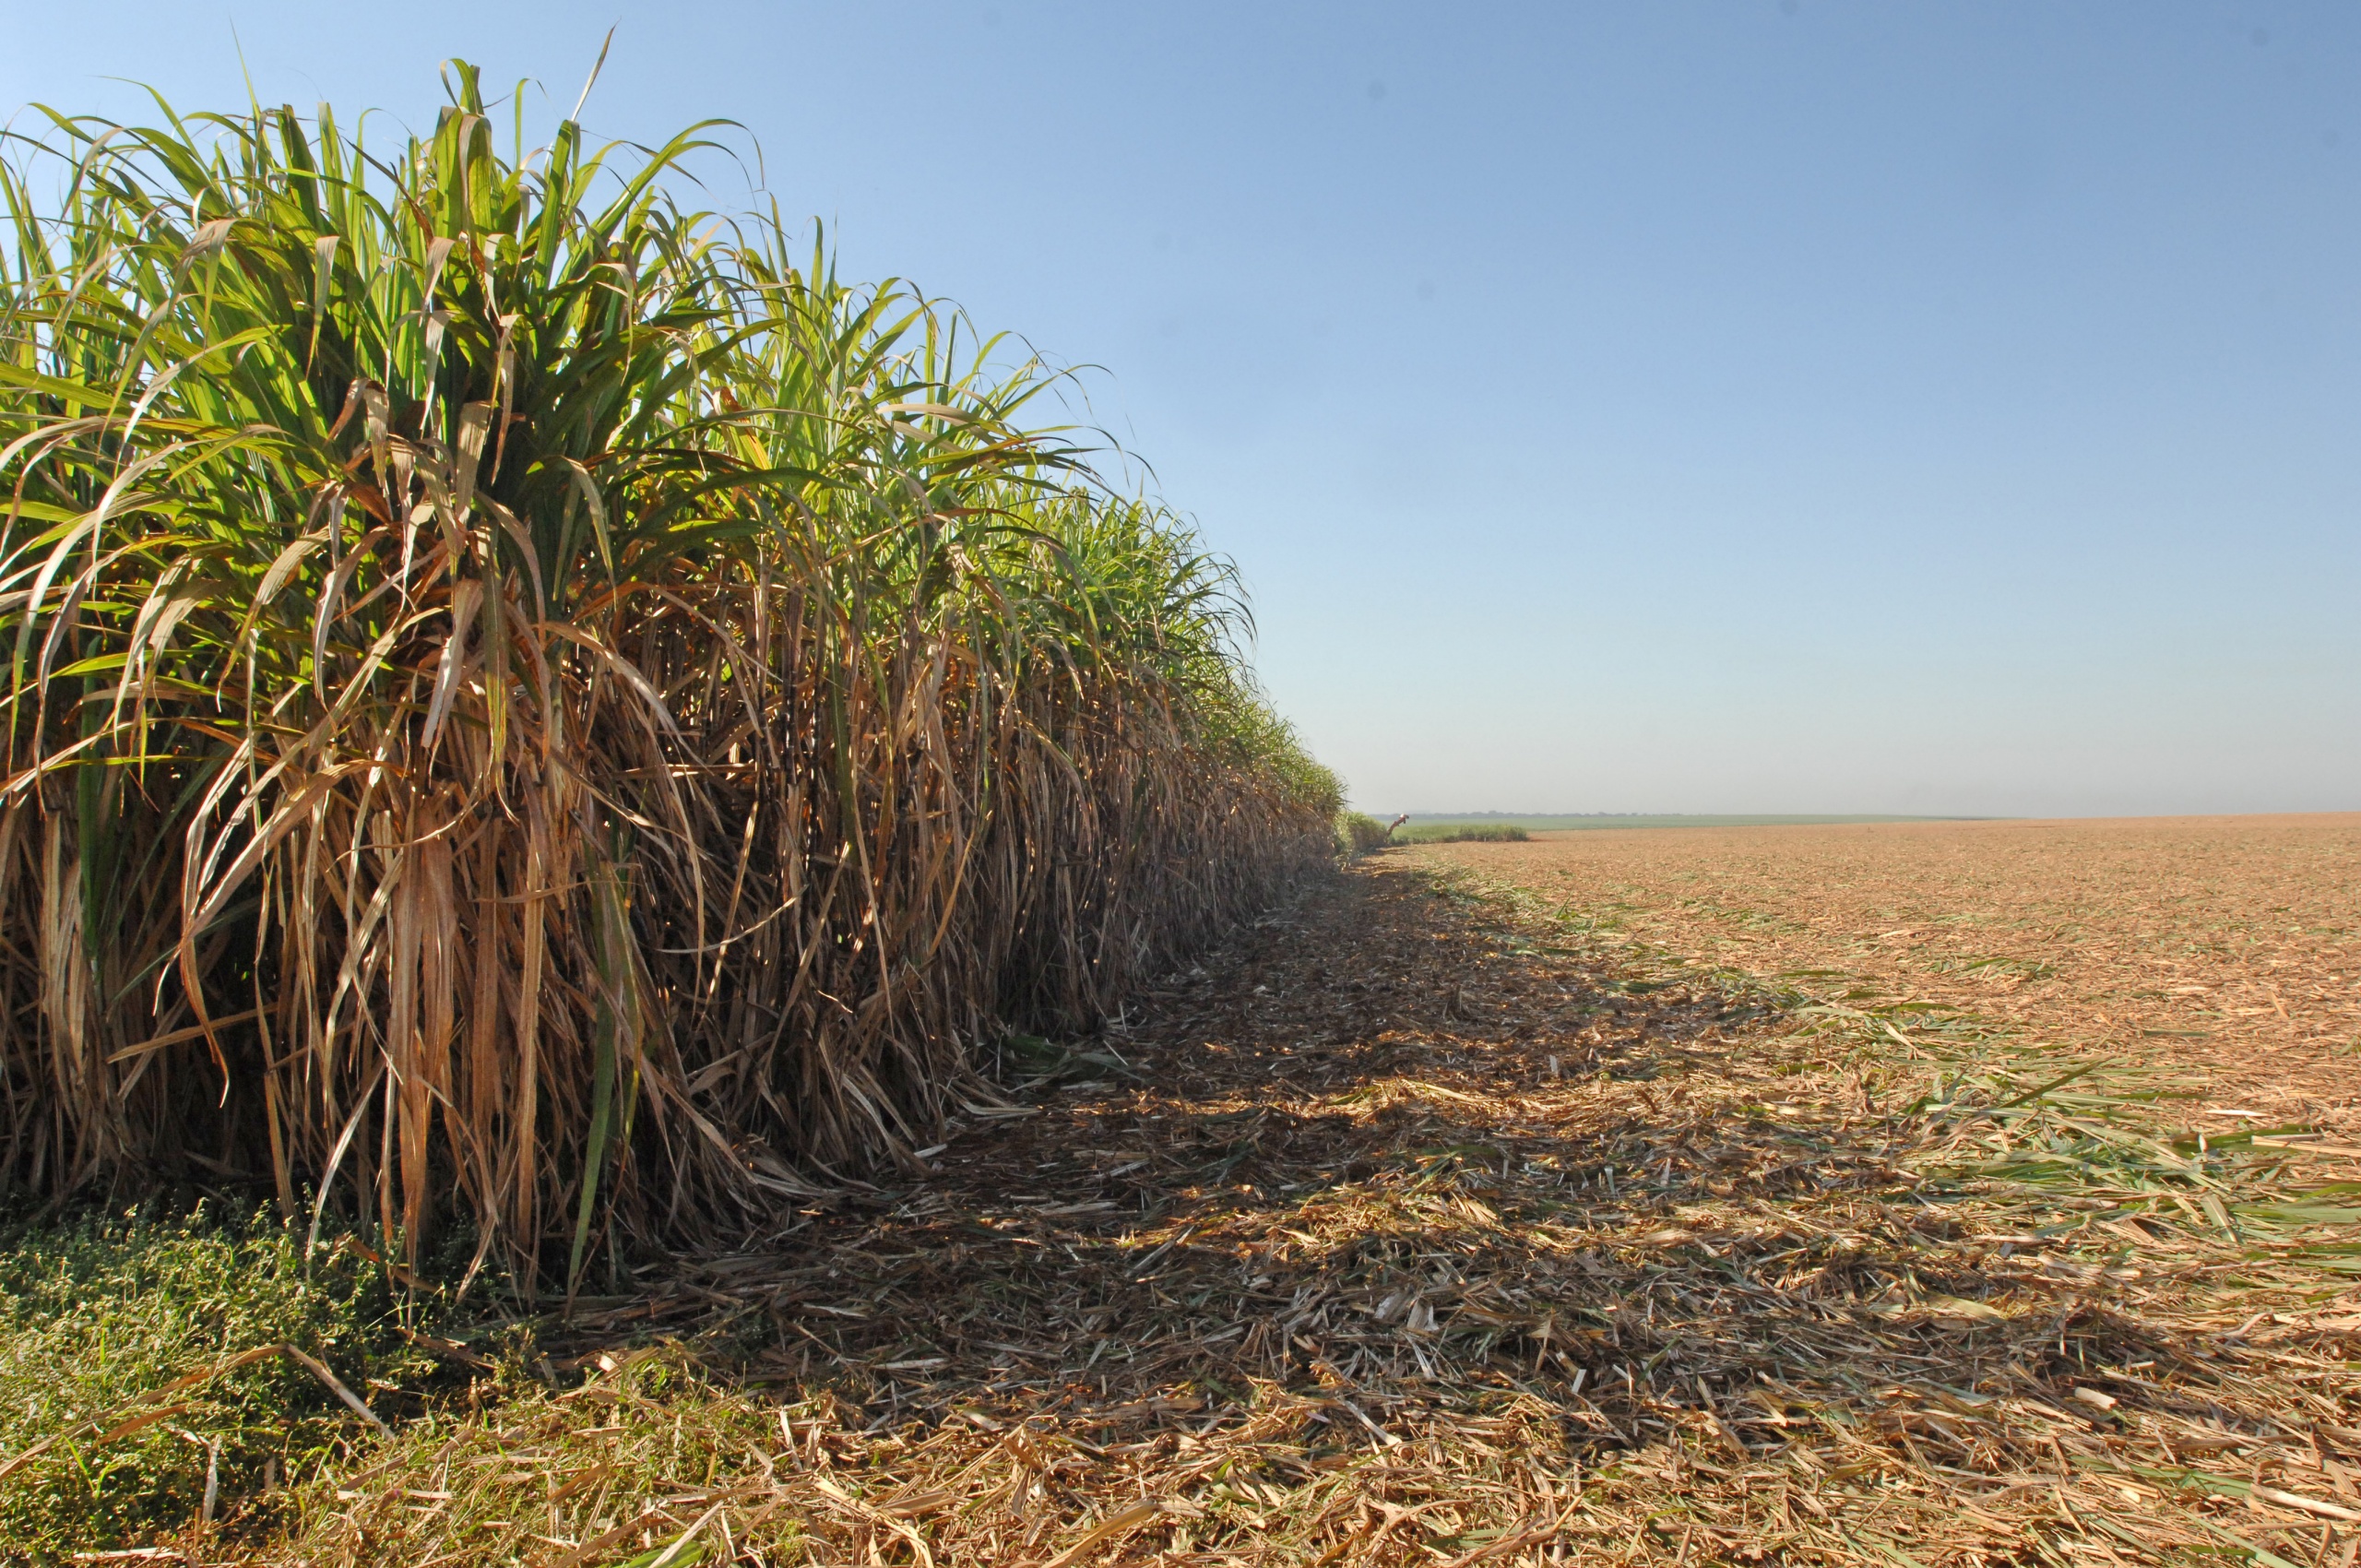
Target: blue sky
[[1738, 406]]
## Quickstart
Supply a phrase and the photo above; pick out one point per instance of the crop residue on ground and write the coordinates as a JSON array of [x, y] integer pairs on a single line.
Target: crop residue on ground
[[2229, 942], [1483, 1209]]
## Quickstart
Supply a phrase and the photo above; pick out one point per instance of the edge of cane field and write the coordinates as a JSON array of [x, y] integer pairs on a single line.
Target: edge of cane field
[[1435, 1221]]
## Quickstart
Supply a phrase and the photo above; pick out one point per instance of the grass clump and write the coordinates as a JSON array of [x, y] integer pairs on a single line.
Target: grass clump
[[101, 1316], [1358, 833], [626, 1462]]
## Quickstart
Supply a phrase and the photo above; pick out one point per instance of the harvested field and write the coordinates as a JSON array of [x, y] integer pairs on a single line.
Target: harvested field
[[1446, 1220], [2231, 944]]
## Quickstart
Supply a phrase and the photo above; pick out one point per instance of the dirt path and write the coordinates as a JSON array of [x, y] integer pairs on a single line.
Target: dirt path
[[1419, 1229]]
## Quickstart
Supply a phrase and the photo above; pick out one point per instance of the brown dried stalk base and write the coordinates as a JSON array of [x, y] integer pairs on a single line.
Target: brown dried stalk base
[[1429, 1233]]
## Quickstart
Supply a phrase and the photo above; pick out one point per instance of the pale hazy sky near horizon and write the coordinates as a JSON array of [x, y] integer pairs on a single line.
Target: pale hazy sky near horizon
[[1746, 406]]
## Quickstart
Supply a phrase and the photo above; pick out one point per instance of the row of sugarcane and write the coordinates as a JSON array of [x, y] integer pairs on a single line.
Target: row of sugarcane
[[542, 722]]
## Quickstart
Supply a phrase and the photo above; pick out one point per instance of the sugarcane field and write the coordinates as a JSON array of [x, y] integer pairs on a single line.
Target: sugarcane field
[[659, 905]]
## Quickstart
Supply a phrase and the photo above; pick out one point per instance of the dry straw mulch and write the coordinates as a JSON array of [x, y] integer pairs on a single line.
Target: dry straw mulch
[[1433, 1223], [2232, 944]]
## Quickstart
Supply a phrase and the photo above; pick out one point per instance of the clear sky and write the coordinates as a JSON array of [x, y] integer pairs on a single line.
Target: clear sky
[[1758, 406]]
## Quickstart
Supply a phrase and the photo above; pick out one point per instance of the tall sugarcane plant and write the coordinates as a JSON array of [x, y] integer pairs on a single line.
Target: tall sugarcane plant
[[531, 705]]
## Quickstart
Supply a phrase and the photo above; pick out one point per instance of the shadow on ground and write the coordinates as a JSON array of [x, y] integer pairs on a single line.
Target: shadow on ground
[[1387, 1151], [1407, 1230]]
